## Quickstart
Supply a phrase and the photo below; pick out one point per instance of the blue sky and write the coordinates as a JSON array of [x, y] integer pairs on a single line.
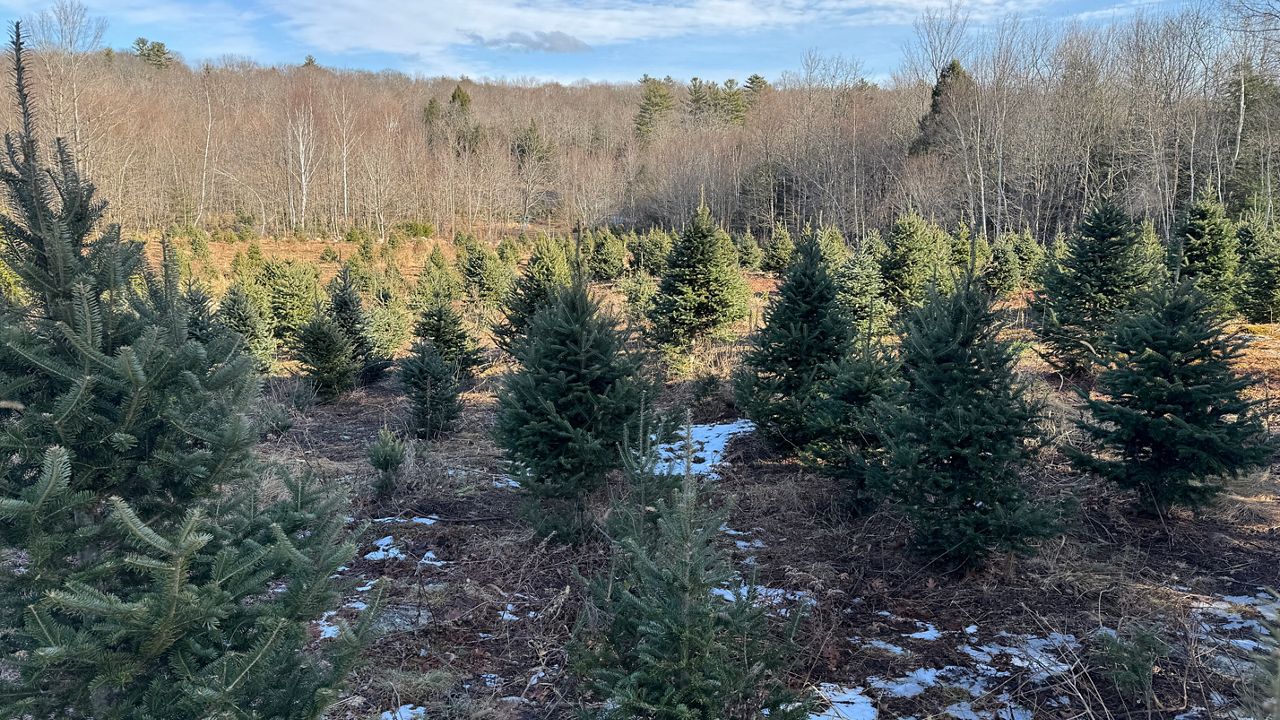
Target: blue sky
[[562, 40]]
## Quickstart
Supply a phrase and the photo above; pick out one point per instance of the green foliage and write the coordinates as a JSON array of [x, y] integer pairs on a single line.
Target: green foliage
[[638, 290], [330, 255], [649, 251], [418, 228], [389, 330], [433, 386], [860, 289], [702, 289], [327, 356], [1260, 299], [963, 433], [918, 257], [153, 53], [460, 99], [485, 277], [442, 326], [545, 275], [1152, 253], [347, 309], [1032, 258], [969, 250], [130, 491], [1130, 665], [1210, 251], [386, 455], [778, 250], [805, 332], [608, 255], [1098, 281], [576, 393], [668, 635], [1171, 416], [656, 105], [509, 251], [750, 254], [1003, 273], [239, 313], [438, 282], [844, 425], [292, 291]]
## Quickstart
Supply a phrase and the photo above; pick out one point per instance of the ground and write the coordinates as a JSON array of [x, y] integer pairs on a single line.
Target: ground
[[479, 609]]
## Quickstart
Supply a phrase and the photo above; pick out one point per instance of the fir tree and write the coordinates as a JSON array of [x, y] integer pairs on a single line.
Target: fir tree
[[441, 325], [702, 289], [1031, 258], [1172, 417], [460, 99], [239, 313], [1210, 251], [1260, 299], [1003, 273], [386, 455], [756, 87], [293, 290], [649, 254], [608, 256], [545, 275], [750, 256], [130, 488], [670, 635], [576, 394], [433, 386], [1152, 254], [961, 436], [969, 251], [438, 282], [919, 256], [327, 356], [779, 249], [860, 289], [804, 333], [484, 276], [1099, 280], [347, 310]]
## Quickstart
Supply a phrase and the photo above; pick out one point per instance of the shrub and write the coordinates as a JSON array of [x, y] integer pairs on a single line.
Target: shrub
[[386, 455]]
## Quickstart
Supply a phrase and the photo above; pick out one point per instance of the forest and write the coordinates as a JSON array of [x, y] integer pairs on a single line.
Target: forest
[[333, 394]]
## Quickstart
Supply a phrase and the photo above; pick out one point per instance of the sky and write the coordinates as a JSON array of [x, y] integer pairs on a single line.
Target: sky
[[559, 40]]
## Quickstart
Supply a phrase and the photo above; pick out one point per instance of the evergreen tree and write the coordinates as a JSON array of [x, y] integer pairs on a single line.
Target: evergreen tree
[[130, 492], [656, 105], [460, 99], [347, 310], [1003, 273], [968, 250], [1152, 254], [386, 455], [804, 333], [1210, 251], [649, 254], [438, 282], [509, 251], [669, 635], [484, 276], [608, 256], [1260, 299], [702, 289], [779, 249], [433, 386], [844, 424], [750, 256], [954, 95], [1099, 280], [293, 290], [546, 273], [1172, 417], [441, 325], [239, 313], [327, 357], [756, 87], [961, 436], [1031, 258], [576, 394], [919, 256], [860, 289]]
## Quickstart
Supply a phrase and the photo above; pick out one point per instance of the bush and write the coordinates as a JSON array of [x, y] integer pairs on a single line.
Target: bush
[[432, 384], [386, 455], [702, 289], [418, 229], [327, 357], [1172, 416]]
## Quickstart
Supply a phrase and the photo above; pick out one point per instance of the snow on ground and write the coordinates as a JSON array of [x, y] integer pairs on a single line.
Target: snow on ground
[[405, 712], [386, 550], [776, 599], [845, 704], [709, 443]]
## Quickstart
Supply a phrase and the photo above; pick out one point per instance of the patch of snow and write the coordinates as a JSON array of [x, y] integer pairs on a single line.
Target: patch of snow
[[327, 629], [709, 444], [367, 586], [744, 545], [879, 645], [431, 559], [428, 520], [846, 703], [927, 631], [536, 678], [509, 614], [776, 598], [386, 550], [506, 481], [357, 605], [491, 680], [908, 686], [730, 531], [405, 712]]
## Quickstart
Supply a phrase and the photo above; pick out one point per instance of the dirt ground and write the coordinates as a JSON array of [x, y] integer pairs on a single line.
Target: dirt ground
[[480, 609]]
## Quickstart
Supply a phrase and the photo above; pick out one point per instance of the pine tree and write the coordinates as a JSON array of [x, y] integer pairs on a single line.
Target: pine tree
[[438, 282], [750, 256], [484, 276], [576, 394], [1003, 273], [649, 254], [1152, 253], [239, 313], [1172, 417], [1031, 258], [130, 488], [919, 256], [293, 290], [954, 94], [702, 290], [961, 436], [441, 325], [670, 635], [546, 273], [969, 250], [327, 356], [346, 308], [844, 424], [433, 386], [1099, 280], [608, 256], [460, 99], [386, 455], [1260, 299], [756, 88], [860, 289], [1210, 251], [656, 105], [779, 249], [804, 333]]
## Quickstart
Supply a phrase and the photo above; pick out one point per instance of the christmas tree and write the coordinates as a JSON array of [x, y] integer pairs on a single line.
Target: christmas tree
[[433, 385], [292, 289], [963, 433], [441, 325], [649, 251], [1260, 298], [702, 289], [1099, 279], [346, 308], [1210, 251], [546, 273], [130, 489], [804, 332], [438, 282], [1003, 273], [608, 255], [778, 250], [919, 256], [239, 313], [327, 357], [860, 289], [1171, 418], [750, 256], [576, 394]]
